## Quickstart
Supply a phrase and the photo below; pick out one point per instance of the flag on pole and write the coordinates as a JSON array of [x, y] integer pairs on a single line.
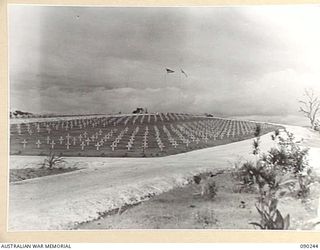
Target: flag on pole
[[185, 74], [169, 71]]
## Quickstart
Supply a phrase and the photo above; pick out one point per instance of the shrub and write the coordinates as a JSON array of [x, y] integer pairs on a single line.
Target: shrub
[[289, 155], [305, 180], [259, 174], [256, 142], [245, 174], [208, 188], [197, 179], [273, 173], [270, 216], [52, 161], [257, 131], [256, 146], [269, 169], [275, 135], [276, 172]]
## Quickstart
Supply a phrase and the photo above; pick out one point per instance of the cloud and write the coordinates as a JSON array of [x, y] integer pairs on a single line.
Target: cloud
[[94, 59]]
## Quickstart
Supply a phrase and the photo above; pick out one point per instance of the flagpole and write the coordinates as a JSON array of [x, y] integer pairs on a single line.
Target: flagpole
[[167, 72], [165, 79], [180, 96]]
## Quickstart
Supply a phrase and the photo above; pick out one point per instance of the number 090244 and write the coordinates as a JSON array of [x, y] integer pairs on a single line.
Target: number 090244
[[308, 246]]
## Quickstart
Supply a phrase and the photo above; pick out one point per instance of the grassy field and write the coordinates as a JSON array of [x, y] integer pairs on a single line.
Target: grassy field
[[145, 135]]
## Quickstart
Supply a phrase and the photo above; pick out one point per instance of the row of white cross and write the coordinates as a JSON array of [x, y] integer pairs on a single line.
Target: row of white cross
[[145, 138], [228, 128], [218, 128], [95, 122], [84, 139], [118, 138], [169, 137], [186, 132], [158, 139], [132, 138]]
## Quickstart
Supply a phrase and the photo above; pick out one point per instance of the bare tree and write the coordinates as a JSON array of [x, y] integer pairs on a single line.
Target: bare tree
[[310, 106]]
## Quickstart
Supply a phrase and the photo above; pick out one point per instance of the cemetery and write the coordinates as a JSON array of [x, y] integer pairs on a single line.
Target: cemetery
[[139, 170], [139, 135], [162, 118]]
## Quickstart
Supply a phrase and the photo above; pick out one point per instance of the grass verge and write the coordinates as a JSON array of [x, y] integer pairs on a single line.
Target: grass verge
[[30, 173], [184, 208]]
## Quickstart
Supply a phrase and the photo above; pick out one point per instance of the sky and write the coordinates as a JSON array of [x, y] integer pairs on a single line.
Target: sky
[[239, 61]]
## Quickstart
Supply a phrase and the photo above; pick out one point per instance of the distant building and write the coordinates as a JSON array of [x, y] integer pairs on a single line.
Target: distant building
[[138, 111], [20, 114]]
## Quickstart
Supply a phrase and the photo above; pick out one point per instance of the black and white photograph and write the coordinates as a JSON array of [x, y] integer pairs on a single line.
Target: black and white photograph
[[199, 118]]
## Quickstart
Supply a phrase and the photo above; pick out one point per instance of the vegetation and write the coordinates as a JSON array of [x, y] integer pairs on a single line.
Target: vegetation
[[310, 108], [52, 161], [31, 173], [206, 218], [208, 187], [52, 165], [275, 174], [271, 218], [256, 141]]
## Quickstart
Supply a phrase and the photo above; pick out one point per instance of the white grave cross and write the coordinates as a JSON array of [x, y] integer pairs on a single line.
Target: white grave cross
[[129, 146], [88, 141], [52, 144], [38, 143], [24, 142], [61, 140], [113, 146], [68, 137], [82, 145]]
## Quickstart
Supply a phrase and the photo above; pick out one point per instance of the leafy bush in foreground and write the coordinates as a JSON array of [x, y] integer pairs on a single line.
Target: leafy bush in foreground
[[271, 218], [274, 173]]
